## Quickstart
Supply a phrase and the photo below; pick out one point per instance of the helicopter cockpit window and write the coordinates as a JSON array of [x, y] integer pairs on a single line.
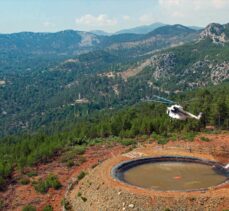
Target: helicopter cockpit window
[[175, 110]]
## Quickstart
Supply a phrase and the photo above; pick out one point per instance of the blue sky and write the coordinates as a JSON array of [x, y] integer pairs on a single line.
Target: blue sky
[[108, 15]]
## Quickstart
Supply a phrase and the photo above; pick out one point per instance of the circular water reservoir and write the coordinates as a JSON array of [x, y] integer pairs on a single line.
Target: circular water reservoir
[[171, 173]]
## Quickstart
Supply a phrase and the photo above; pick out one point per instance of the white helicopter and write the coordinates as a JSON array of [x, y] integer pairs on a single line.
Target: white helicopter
[[175, 111]]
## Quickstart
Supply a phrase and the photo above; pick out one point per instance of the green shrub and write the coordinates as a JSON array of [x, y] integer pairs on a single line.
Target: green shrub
[[71, 154], [84, 198], [31, 174], [79, 150], [144, 137], [155, 136], [48, 208], [215, 131], [70, 163], [127, 142], [24, 181], [193, 198], [79, 194], [53, 182], [68, 156], [42, 186], [2, 184], [205, 139], [189, 136], [66, 204], [80, 160], [29, 208], [162, 141], [81, 175], [174, 137], [1, 204]]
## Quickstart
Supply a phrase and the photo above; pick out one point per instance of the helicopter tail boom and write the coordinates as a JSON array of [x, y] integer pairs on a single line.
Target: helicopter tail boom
[[194, 116], [199, 116]]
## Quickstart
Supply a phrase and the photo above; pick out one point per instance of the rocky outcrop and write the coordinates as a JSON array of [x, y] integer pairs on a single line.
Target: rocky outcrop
[[220, 72], [88, 39], [203, 72], [215, 32]]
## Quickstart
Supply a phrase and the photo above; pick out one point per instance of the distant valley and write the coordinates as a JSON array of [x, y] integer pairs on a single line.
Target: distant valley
[[51, 77]]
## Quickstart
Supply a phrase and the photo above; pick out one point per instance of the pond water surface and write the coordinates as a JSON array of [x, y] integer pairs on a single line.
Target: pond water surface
[[173, 176]]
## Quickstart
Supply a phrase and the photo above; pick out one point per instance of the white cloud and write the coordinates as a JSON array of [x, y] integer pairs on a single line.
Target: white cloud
[[193, 4], [146, 19], [177, 14], [196, 12], [126, 17], [169, 3], [220, 3], [101, 20], [48, 24]]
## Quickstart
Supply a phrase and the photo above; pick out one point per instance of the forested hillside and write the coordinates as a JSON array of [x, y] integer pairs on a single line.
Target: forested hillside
[[41, 86], [115, 125]]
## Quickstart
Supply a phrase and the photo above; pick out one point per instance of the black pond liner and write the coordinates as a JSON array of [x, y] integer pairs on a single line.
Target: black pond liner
[[118, 170]]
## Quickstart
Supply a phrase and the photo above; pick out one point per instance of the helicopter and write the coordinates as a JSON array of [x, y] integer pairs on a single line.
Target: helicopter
[[175, 110]]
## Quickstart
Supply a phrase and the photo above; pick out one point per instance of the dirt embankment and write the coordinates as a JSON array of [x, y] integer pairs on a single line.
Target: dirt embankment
[[99, 191], [17, 195]]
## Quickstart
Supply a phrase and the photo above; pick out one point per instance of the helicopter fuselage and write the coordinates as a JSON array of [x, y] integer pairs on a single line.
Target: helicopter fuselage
[[177, 112]]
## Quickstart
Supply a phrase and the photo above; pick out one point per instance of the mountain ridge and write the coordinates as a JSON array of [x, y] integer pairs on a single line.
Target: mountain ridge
[[44, 89], [141, 29], [71, 43]]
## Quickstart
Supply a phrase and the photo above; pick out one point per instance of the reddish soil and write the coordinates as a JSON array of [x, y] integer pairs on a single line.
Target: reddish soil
[[17, 195]]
